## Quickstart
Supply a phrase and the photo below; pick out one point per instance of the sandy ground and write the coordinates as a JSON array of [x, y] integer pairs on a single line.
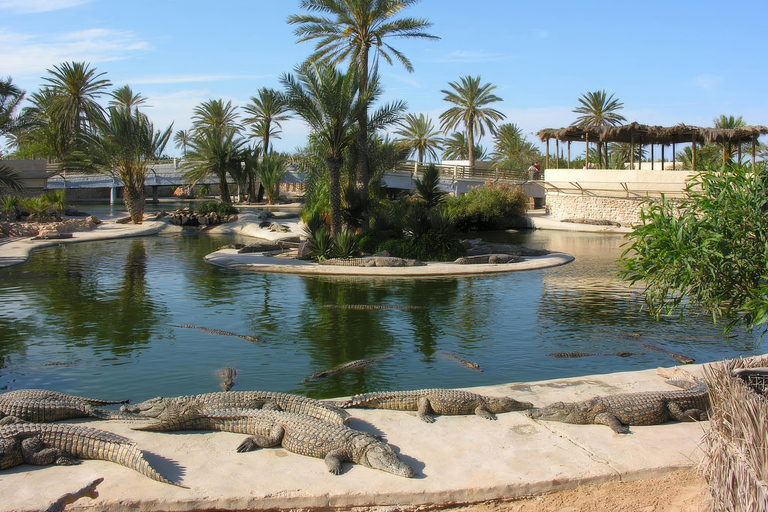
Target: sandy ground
[[680, 491]]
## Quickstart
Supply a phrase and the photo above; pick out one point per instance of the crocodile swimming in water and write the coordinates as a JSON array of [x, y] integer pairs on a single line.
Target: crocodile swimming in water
[[345, 367], [437, 401], [469, 364], [219, 332], [162, 408], [369, 306], [680, 358], [627, 409], [43, 444], [570, 355], [296, 433]]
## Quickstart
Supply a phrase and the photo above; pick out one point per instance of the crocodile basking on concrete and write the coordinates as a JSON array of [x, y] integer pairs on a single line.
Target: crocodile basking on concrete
[[44, 394], [42, 444], [219, 332], [44, 411], [164, 408], [296, 433], [624, 410], [372, 261], [489, 259], [437, 401]]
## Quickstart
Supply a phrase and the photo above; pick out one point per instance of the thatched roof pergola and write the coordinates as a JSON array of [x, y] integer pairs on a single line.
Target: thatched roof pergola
[[635, 133]]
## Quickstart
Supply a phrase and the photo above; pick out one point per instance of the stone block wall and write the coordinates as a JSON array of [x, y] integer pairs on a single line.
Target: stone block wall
[[624, 211]]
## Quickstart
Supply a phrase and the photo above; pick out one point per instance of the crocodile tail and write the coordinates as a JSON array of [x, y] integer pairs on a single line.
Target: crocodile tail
[[116, 415], [342, 404], [134, 458]]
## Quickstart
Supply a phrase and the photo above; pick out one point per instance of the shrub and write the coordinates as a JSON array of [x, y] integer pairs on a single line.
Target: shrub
[[10, 207], [321, 244], [222, 209], [39, 209], [345, 245], [271, 171], [493, 206]]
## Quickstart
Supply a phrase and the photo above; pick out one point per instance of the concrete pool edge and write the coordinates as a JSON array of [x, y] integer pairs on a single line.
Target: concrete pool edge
[[458, 460]]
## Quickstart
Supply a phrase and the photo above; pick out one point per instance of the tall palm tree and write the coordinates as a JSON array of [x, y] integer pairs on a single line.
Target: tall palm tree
[[328, 101], [351, 29], [124, 97], [182, 140], [216, 143], [127, 143], [267, 111], [76, 89], [419, 136], [471, 111], [597, 109], [511, 148], [456, 147]]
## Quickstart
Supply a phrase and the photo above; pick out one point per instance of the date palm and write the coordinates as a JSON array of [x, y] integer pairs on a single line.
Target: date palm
[[349, 31], [10, 97], [182, 140], [126, 144], [124, 97], [511, 148], [328, 101], [419, 136], [456, 147], [471, 111], [76, 89], [597, 109], [216, 143], [267, 110]]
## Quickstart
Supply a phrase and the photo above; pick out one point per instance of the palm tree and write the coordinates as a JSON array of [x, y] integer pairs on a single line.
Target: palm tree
[[470, 111], [267, 111], [76, 88], [351, 30], [124, 97], [328, 101], [456, 147], [511, 148], [182, 139], [126, 144], [216, 143], [10, 97], [419, 136], [598, 110]]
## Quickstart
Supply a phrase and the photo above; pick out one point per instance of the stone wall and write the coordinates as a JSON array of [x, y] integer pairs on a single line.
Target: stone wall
[[624, 211]]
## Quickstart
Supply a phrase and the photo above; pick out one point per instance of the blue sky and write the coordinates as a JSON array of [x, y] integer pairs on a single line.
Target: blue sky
[[668, 61]]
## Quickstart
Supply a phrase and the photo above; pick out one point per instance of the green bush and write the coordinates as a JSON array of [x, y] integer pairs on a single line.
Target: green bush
[[217, 207], [493, 206], [345, 245], [321, 244], [10, 207]]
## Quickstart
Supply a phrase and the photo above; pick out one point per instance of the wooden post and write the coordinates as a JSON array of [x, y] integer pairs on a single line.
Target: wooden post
[[662, 156], [673, 156], [651, 156], [693, 151], [586, 154], [738, 141], [546, 162], [754, 138], [557, 152], [569, 152], [632, 150]]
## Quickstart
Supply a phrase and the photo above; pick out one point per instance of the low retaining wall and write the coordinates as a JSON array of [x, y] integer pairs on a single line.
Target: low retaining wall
[[624, 211]]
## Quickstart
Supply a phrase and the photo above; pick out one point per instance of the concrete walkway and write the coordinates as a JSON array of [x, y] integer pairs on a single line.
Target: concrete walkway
[[457, 459]]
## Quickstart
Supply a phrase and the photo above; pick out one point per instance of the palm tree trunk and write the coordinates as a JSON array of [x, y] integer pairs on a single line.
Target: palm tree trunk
[[334, 191], [224, 188], [134, 202], [471, 142], [362, 121]]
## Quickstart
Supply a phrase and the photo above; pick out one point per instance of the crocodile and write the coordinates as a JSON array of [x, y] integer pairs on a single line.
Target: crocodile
[[161, 408], [219, 332], [296, 433], [469, 364], [44, 394], [345, 367], [61, 444], [44, 411], [492, 259], [438, 401], [680, 358], [227, 376], [570, 355], [627, 409], [372, 261], [369, 306]]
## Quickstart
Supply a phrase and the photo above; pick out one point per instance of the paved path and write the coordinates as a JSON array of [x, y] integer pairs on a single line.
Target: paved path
[[457, 459]]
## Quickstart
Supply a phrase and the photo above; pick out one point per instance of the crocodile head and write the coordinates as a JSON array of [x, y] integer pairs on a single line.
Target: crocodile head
[[506, 404], [566, 412], [381, 456], [152, 408]]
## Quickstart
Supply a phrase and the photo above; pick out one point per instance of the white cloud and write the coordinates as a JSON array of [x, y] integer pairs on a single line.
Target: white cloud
[[34, 6], [26, 53]]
